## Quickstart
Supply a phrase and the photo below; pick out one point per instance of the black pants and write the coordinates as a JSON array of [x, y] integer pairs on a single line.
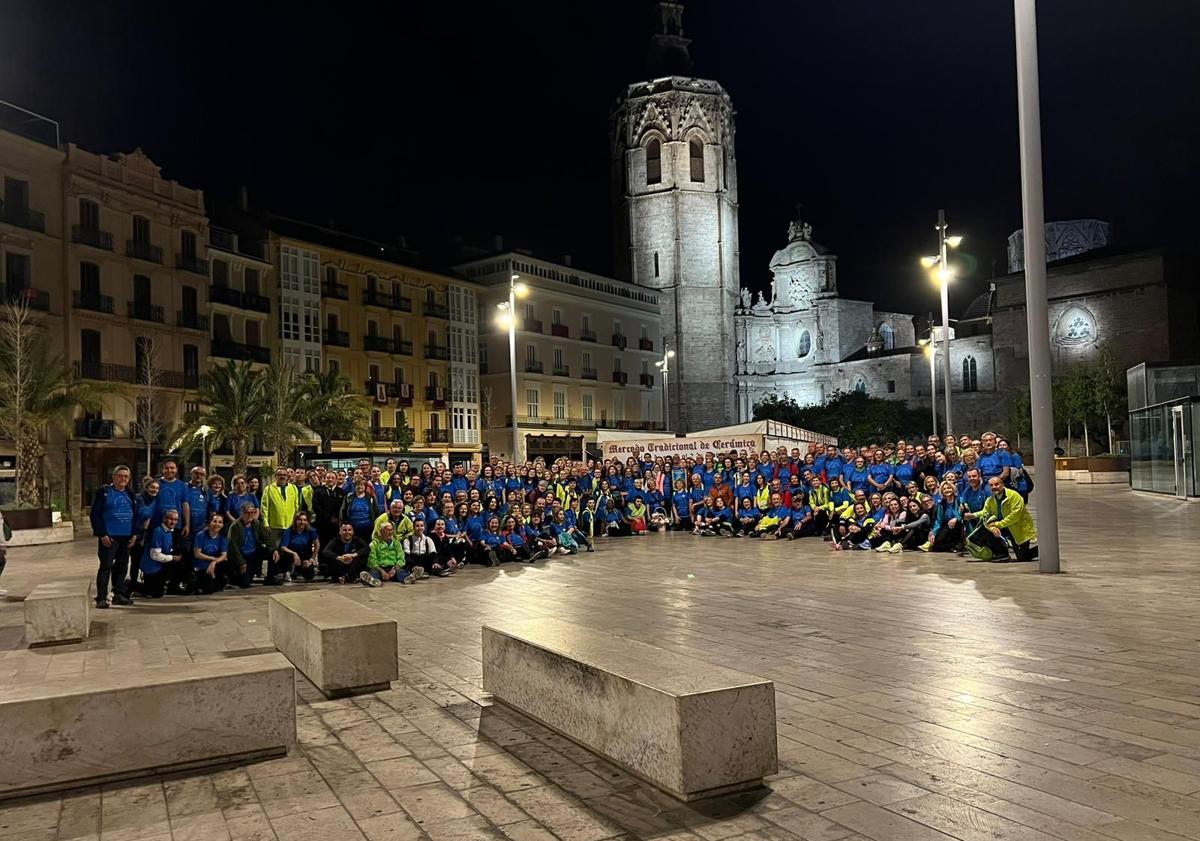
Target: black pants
[[999, 545], [206, 584], [913, 538], [114, 565], [345, 572], [947, 539], [244, 578], [451, 551], [425, 560]]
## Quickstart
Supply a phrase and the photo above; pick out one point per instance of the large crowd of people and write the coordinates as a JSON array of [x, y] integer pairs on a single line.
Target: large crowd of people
[[398, 523]]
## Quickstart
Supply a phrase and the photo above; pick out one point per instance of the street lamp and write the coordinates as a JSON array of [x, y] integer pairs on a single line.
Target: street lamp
[[508, 319], [664, 365], [930, 354], [943, 276], [205, 430]]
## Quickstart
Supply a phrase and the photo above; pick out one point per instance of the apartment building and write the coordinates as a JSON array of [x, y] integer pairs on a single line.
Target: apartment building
[[241, 286], [586, 347]]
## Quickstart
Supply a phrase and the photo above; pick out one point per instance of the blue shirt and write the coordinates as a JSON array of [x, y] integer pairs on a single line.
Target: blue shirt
[[236, 501], [300, 542], [160, 539], [680, 500], [358, 512], [857, 479], [214, 547], [973, 499], [118, 513], [249, 544], [881, 473], [993, 464], [170, 498], [197, 499], [750, 513]]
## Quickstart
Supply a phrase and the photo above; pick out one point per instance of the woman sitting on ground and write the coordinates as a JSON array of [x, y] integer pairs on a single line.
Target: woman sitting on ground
[[210, 552], [299, 548]]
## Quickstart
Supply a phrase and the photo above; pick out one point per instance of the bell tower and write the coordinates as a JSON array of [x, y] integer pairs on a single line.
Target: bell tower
[[675, 211]]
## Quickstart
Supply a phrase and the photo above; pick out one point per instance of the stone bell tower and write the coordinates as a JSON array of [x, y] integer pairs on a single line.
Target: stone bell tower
[[675, 218]]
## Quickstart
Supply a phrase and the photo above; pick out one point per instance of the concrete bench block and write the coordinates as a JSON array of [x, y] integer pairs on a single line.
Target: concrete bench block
[[67, 732], [690, 728], [58, 611], [343, 647]]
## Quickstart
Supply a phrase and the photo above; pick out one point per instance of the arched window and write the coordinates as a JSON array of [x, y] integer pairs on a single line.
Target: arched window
[[656, 264], [696, 155], [860, 385], [654, 161], [970, 377], [888, 334]]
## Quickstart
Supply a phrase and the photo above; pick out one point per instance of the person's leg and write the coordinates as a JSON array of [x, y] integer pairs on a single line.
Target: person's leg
[[105, 556], [306, 571], [1023, 551], [120, 568], [154, 584], [3, 563]]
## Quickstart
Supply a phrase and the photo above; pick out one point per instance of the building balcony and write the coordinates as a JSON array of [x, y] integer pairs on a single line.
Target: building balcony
[[192, 263], [23, 217], [620, 377], [582, 423], [589, 374], [402, 347], [36, 299], [619, 341], [224, 295], [337, 338], [441, 352], [436, 395], [144, 251], [562, 370], [560, 330], [110, 373], [93, 302], [377, 344], [335, 290], [191, 320], [95, 428], [143, 311], [387, 301], [587, 335], [383, 433], [531, 325], [436, 310], [647, 380], [237, 350], [645, 344], [256, 303], [533, 368], [92, 236], [437, 436], [231, 241], [404, 393]]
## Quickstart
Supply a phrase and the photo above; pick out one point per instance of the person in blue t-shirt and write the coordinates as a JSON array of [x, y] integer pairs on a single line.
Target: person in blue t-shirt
[[114, 522], [196, 501], [992, 461], [747, 516], [170, 492], [162, 557], [857, 476], [681, 507], [1018, 476], [880, 474], [299, 548], [210, 556], [973, 493]]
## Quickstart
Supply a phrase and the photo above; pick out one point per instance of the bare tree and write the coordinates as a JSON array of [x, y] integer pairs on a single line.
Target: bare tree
[[485, 407], [152, 416]]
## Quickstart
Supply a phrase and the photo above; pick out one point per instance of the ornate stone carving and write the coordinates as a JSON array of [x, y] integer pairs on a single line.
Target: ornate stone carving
[[745, 296]]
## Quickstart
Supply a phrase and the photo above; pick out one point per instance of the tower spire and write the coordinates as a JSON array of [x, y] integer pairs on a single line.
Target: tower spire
[[669, 54]]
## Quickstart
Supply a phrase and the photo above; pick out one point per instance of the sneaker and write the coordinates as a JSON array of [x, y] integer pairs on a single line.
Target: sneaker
[[563, 550], [102, 604], [368, 579], [409, 579], [896, 549], [590, 549], [884, 547], [925, 547], [287, 578], [122, 600], [420, 573]]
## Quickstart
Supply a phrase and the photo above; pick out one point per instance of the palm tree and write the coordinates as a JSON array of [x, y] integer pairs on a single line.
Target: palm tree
[[335, 410], [232, 404], [37, 393], [285, 411]]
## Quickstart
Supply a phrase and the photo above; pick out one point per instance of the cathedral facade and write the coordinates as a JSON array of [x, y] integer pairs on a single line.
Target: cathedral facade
[[802, 341], [676, 220]]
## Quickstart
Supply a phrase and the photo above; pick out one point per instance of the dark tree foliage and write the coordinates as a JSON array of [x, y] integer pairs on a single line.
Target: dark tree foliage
[[853, 417]]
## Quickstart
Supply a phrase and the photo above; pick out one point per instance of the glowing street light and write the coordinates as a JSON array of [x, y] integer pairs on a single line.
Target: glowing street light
[[664, 365], [943, 275], [931, 356], [508, 320]]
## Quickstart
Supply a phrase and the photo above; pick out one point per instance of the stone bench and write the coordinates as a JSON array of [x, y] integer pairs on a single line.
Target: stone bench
[[343, 647], [687, 727], [72, 731], [58, 611]]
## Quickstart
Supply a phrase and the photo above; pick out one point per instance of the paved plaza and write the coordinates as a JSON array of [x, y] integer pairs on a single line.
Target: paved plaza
[[919, 697]]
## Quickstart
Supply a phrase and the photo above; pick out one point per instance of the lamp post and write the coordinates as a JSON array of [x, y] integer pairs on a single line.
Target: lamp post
[[930, 353], [943, 276], [205, 430], [664, 365], [1036, 306], [508, 318]]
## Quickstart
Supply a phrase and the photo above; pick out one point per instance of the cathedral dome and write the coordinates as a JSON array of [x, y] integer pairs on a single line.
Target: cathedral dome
[[798, 251]]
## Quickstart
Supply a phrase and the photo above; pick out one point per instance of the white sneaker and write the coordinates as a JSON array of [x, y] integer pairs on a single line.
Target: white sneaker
[[287, 579], [896, 549], [368, 579], [419, 573], [884, 547], [563, 550]]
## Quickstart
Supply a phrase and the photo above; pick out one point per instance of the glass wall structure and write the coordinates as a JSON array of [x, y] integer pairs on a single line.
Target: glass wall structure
[[1164, 425]]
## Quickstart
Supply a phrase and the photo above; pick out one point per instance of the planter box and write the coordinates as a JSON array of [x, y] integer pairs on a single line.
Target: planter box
[[28, 518]]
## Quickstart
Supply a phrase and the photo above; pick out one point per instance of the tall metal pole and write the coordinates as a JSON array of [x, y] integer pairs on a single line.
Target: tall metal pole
[[1036, 307], [512, 365], [944, 282], [667, 398]]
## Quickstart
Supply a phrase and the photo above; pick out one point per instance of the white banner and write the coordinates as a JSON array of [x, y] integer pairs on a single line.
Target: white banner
[[682, 447]]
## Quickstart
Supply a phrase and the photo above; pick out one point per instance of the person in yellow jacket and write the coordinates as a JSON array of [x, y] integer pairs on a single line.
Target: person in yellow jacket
[[1006, 521], [401, 523], [280, 502], [821, 502]]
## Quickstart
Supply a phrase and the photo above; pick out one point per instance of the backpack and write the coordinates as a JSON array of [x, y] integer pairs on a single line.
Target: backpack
[[979, 551]]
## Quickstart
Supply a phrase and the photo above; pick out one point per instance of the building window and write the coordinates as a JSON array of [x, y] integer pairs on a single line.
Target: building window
[[220, 273], [89, 215], [556, 317], [312, 322], [250, 281], [531, 355], [696, 158], [187, 243], [312, 361], [888, 334], [17, 273], [373, 373], [191, 361], [588, 406], [616, 364], [586, 323], [618, 413], [141, 230], [299, 270], [334, 366], [970, 375], [89, 280], [560, 405], [531, 403], [289, 321], [860, 385], [559, 363], [530, 312], [891, 386], [654, 161], [804, 345], [331, 275], [587, 360], [656, 264], [190, 408]]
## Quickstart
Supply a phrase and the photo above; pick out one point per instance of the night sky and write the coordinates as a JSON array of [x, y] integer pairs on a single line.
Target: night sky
[[436, 119]]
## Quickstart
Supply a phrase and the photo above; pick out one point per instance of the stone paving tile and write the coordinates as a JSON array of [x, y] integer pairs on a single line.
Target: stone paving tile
[[29, 815], [249, 824], [317, 825], [568, 818], [433, 803], [400, 773], [286, 794], [200, 826], [393, 827], [362, 795]]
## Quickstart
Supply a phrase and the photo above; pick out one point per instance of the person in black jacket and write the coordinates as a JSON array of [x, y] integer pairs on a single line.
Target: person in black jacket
[[345, 557], [327, 508], [113, 515]]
